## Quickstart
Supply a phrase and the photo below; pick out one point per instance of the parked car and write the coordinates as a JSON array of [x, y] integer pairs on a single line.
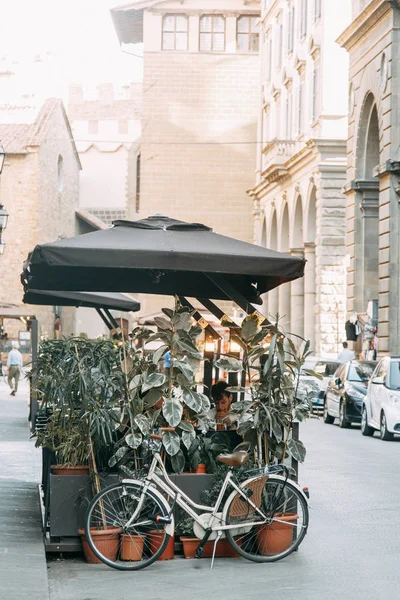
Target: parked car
[[312, 387], [346, 392], [381, 406]]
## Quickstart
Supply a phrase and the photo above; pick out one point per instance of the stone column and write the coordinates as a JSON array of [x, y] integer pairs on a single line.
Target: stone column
[[273, 303], [370, 240], [297, 300], [284, 306], [309, 293]]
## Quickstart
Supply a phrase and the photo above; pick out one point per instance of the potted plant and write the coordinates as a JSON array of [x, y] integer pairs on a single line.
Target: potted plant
[[272, 363], [81, 384]]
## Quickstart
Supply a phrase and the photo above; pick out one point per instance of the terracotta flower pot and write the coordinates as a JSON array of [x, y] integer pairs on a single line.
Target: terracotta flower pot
[[66, 470], [277, 537], [224, 549], [155, 540], [105, 540], [131, 547], [201, 468]]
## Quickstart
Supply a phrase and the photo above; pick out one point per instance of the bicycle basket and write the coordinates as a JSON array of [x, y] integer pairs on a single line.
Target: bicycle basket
[[239, 506]]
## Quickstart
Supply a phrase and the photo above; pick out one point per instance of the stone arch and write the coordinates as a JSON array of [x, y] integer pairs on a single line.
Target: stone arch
[[264, 232], [368, 156], [284, 237], [273, 232], [368, 139], [310, 230], [297, 224], [285, 289]]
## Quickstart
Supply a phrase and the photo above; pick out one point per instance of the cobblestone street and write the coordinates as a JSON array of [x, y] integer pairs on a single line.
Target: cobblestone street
[[351, 552]]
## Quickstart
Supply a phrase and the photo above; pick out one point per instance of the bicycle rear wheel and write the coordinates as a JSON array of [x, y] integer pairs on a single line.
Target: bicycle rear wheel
[[286, 514], [128, 546]]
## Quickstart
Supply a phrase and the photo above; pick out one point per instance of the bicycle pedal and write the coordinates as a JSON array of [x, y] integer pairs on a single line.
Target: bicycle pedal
[[199, 553]]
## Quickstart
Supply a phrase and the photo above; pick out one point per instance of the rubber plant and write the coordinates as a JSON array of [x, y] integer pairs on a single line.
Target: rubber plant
[[272, 362], [168, 397]]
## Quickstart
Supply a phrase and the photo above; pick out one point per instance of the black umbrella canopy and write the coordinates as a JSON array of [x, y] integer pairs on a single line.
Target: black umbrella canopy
[[159, 255], [111, 301]]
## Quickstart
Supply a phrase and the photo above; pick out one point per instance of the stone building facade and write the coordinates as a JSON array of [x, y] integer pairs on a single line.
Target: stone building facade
[[301, 162], [200, 104], [106, 127], [372, 183], [39, 188]]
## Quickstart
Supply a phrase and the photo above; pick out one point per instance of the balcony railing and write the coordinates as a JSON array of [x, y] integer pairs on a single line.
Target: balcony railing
[[277, 153]]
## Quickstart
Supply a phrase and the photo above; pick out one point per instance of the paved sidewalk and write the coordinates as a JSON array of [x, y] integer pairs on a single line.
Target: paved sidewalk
[[23, 569]]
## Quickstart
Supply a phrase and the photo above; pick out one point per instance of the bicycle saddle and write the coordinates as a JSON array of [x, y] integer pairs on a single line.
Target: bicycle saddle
[[236, 459]]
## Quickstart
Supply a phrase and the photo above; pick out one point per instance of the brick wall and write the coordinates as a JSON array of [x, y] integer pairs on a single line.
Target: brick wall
[[198, 133]]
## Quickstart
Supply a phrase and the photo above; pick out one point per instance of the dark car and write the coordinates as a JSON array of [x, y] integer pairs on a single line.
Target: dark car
[[346, 391]]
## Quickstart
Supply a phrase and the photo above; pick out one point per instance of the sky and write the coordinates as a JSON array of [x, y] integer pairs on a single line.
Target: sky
[[52, 43]]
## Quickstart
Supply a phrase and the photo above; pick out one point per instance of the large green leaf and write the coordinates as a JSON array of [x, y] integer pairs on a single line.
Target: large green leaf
[[186, 426], [178, 462], [133, 440], [192, 399], [162, 323], [185, 368], [172, 410], [143, 423], [296, 449], [182, 320], [188, 348], [171, 441], [188, 437], [154, 380], [153, 396], [249, 328], [230, 365], [158, 354], [120, 453]]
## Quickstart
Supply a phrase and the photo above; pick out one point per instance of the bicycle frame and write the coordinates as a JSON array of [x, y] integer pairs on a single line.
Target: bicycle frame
[[188, 505]]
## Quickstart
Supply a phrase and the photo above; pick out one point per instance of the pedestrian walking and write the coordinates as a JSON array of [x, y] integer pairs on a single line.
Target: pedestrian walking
[[345, 355], [14, 364]]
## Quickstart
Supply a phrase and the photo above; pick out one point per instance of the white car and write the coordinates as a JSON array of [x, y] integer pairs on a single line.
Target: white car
[[313, 388], [381, 406]]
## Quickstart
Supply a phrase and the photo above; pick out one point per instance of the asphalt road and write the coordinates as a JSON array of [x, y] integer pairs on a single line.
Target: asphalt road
[[351, 552]]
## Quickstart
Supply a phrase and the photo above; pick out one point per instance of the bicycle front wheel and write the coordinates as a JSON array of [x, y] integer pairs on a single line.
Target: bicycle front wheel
[[281, 531], [115, 540]]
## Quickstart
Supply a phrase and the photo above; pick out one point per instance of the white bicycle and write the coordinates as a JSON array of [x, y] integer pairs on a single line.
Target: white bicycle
[[265, 518]]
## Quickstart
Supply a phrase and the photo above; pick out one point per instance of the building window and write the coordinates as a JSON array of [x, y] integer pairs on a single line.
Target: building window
[[289, 116], [212, 33], [175, 32], [300, 107], [290, 36], [279, 41], [315, 94], [268, 55], [278, 116], [303, 18], [317, 10], [248, 37], [93, 127], [60, 174], [137, 196]]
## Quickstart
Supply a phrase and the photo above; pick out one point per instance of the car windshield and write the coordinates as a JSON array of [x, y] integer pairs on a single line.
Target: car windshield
[[394, 376], [360, 372], [326, 369]]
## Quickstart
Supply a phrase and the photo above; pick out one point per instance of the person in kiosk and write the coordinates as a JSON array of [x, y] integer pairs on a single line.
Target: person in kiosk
[[222, 400]]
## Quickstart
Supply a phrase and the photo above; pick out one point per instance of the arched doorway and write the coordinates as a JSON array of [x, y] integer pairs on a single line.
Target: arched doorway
[[297, 286], [309, 271], [367, 218], [273, 295], [285, 289]]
